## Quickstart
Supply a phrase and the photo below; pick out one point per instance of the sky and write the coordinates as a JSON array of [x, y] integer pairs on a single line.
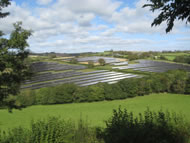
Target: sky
[[74, 26]]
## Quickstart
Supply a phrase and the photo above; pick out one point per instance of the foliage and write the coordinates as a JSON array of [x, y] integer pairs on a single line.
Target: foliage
[[113, 91], [172, 82], [182, 59], [90, 64], [129, 87], [52, 130], [13, 67], [102, 62], [132, 57], [89, 94], [150, 127], [85, 134], [170, 11], [25, 98], [135, 55], [55, 95], [187, 87], [122, 127], [73, 61], [163, 57]]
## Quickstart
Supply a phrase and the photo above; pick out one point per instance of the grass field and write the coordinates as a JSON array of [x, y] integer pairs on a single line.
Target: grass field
[[172, 56], [95, 113]]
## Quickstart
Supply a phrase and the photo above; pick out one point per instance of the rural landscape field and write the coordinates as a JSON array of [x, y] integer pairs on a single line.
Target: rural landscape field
[[88, 71], [97, 112]]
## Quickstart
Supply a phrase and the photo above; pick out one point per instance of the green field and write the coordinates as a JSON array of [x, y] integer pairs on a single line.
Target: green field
[[172, 56], [95, 112]]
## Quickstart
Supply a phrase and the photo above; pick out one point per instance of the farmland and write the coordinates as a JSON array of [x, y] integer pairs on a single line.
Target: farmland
[[96, 112], [52, 73], [172, 56]]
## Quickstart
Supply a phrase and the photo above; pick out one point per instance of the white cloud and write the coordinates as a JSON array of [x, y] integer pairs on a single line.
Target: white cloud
[[85, 25], [44, 2], [100, 7]]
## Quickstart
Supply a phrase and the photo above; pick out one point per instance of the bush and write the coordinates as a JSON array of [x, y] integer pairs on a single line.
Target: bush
[[113, 91], [45, 96], [133, 56], [90, 94], [129, 87], [179, 81], [187, 87], [85, 134], [90, 64], [150, 127], [73, 61], [162, 57], [56, 95], [182, 59], [26, 98], [64, 93], [102, 62], [52, 130]]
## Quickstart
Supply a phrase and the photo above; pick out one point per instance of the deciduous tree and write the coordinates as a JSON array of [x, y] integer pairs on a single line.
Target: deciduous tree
[[170, 10], [13, 67], [101, 62]]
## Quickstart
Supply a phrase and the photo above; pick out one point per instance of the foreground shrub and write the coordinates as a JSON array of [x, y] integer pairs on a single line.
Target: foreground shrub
[[150, 127], [52, 130], [85, 134]]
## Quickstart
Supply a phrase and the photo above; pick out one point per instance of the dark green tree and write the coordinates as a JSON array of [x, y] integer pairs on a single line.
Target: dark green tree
[[73, 61], [170, 10], [102, 62], [13, 54]]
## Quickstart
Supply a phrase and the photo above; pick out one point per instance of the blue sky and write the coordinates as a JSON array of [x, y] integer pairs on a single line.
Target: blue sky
[[68, 26]]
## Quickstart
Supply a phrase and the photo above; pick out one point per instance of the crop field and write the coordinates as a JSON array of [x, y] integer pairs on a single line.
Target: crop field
[[153, 66], [97, 112], [51, 74]]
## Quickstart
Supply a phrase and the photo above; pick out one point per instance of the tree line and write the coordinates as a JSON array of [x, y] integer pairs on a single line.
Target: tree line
[[172, 82]]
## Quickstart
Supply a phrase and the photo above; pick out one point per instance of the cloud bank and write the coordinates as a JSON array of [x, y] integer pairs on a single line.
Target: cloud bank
[[93, 25]]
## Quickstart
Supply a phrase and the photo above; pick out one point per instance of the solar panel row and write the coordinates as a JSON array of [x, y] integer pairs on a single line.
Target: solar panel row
[[80, 80], [45, 78], [154, 66]]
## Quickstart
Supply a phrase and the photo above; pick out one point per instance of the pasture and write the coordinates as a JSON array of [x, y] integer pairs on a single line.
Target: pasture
[[172, 56], [97, 112]]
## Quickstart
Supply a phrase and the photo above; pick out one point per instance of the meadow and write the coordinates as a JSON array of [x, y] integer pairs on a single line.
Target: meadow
[[97, 112], [172, 56]]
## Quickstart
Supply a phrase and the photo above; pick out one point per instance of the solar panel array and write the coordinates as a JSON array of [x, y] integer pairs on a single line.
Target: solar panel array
[[154, 66], [96, 58], [120, 63], [48, 78], [49, 66]]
